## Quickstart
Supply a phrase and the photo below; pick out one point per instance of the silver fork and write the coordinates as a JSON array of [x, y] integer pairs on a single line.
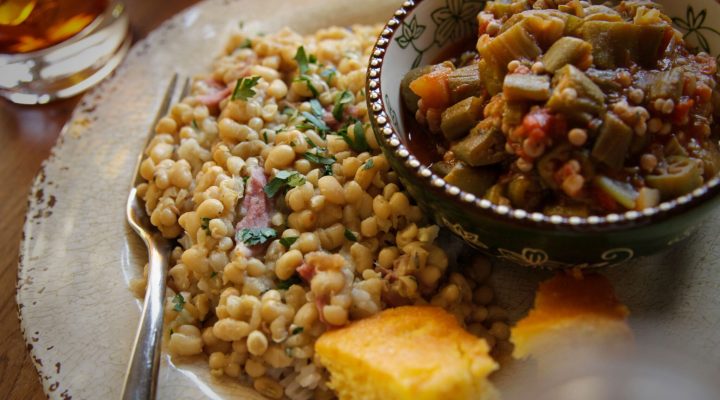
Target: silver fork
[[142, 372]]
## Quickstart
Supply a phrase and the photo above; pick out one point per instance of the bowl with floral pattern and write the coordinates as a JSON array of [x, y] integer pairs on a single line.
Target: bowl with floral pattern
[[421, 32]]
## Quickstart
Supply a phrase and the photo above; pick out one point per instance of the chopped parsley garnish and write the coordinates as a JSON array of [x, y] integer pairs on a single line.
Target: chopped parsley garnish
[[195, 126], [255, 236], [349, 235], [293, 280], [343, 98], [296, 180], [316, 122], [205, 224], [289, 111], [319, 158], [312, 59], [265, 136], [246, 44], [328, 74], [282, 179], [317, 108], [244, 88], [214, 274], [298, 330], [179, 302], [359, 142], [308, 82], [288, 241], [368, 164], [302, 60], [310, 143]]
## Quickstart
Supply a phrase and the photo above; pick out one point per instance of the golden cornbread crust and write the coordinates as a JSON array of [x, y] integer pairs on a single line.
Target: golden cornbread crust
[[413, 352], [572, 310]]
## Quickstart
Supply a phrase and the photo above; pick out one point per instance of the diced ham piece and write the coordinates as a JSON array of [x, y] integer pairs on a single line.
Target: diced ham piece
[[217, 91], [306, 271], [256, 205], [320, 303], [355, 111], [256, 208], [330, 120], [213, 99], [243, 70]]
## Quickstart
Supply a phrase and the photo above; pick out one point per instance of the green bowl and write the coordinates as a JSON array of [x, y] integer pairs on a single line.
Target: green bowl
[[418, 33]]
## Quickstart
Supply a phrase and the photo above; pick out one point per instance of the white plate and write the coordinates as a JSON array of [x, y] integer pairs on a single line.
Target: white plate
[[78, 255]]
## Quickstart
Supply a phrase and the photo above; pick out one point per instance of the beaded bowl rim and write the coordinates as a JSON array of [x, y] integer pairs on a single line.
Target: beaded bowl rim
[[391, 140]]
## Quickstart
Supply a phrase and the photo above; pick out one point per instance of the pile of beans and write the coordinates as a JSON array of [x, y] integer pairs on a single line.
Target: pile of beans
[[348, 241]]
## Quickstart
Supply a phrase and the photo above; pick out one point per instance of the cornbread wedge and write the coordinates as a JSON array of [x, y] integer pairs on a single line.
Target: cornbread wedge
[[572, 312], [407, 353]]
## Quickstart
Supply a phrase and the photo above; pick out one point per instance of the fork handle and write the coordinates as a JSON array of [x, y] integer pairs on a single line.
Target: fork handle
[[141, 377]]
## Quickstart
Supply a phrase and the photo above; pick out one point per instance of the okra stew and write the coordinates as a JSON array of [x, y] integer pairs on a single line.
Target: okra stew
[[570, 108]]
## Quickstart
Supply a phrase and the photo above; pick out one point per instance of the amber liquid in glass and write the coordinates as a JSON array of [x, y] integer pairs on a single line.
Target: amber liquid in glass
[[30, 25]]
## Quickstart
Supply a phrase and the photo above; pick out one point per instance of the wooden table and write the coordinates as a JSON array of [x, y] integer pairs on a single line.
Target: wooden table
[[26, 136]]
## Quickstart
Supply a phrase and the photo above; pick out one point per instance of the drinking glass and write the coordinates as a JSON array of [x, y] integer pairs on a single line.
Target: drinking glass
[[53, 49]]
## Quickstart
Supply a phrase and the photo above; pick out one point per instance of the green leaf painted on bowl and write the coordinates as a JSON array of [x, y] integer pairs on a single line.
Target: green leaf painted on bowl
[[694, 27], [453, 21], [410, 32], [391, 111]]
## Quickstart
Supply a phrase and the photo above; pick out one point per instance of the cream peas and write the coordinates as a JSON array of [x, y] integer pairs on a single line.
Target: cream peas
[[344, 239]]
